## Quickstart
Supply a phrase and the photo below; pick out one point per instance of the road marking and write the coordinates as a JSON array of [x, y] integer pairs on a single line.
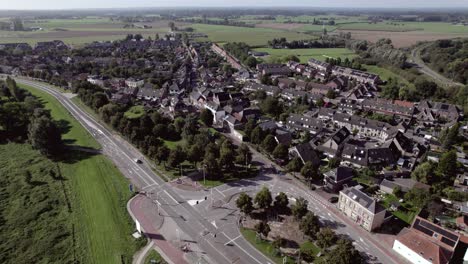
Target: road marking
[[220, 192], [165, 191], [244, 249], [232, 240]]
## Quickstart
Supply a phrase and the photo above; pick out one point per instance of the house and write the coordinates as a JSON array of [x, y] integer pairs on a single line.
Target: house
[[399, 108], [361, 208], [319, 65], [348, 106], [364, 127], [96, 80], [425, 242], [335, 179], [306, 153], [257, 87], [269, 125], [405, 184], [431, 112], [369, 153], [134, 83], [304, 123], [360, 76], [174, 89], [318, 88], [283, 137], [338, 83], [462, 222], [151, 94], [333, 146]]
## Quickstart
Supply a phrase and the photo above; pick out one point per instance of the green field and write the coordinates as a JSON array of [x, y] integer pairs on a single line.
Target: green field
[[251, 36], [135, 112], [97, 192], [429, 27], [305, 54]]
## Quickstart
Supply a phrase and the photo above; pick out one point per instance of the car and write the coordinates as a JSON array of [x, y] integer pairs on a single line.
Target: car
[[138, 161], [333, 199]]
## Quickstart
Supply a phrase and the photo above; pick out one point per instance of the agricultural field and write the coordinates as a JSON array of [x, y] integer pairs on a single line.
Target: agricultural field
[[251, 36], [91, 198], [305, 54], [80, 31]]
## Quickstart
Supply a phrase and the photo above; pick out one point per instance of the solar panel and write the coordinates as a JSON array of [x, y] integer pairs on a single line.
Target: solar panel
[[439, 230], [424, 230], [448, 241]]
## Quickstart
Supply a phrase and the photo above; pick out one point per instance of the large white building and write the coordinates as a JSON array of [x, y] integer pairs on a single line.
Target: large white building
[[134, 83], [426, 243]]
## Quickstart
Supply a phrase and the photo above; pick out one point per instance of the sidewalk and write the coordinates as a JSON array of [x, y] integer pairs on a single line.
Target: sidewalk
[[145, 211]]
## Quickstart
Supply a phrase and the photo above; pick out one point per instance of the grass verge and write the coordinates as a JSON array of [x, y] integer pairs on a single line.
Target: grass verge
[[154, 258], [264, 246]]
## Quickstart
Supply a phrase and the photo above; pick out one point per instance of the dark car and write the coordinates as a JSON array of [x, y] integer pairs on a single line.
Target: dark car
[[333, 199]]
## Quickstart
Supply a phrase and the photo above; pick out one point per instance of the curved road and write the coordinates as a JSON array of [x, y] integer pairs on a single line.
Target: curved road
[[422, 67], [190, 221]]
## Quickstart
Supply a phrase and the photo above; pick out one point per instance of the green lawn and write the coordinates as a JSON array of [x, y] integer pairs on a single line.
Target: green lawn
[[75, 134], [385, 74], [407, 211], [263, 246], [305, 54], [155, 257], [251, 36], [98, 193], [135, 112]]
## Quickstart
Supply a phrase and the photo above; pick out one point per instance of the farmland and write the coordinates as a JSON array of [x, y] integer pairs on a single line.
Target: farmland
[[91, 197], [305, 54], [251, 36]]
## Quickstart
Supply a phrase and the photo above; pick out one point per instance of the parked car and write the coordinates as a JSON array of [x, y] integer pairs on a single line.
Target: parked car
[[333, 199]]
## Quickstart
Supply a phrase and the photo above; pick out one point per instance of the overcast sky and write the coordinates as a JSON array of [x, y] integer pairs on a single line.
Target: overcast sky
[[72, 4]]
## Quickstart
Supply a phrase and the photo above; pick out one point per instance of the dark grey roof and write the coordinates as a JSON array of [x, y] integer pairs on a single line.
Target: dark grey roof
[[363, 199], [340, 174]]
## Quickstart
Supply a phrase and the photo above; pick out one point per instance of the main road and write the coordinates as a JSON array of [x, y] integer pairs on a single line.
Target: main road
[[205, 234]]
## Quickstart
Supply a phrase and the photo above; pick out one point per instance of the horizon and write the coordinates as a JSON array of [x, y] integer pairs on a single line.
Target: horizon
[[51, 5]]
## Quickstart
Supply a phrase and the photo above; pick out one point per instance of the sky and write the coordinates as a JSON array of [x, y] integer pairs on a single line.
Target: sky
[[84, 4]]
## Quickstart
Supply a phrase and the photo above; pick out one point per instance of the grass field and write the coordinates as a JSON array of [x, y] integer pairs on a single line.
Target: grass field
[[155, 257], [135, 112], [97, 193], [306, 54], [429, 27], [251, 36]]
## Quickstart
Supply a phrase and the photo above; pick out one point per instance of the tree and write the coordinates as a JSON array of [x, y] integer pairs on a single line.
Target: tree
[[263, 198], [310, 225], [343, 253], [176, 157], [281, 152], [277, 243], [417, 196], [195, 153], [425, 87], [326, 238], [299, 209], [226, 158], [424, 172], [269, 143], [447, 167], [331, 94], [171, 25], [244, 156], [206, 117], [272, 106], [211, 163], [451, 137], [295, 164], [310, 172], [256, 135], [398, 192], [291, 58], [250, 62], [45, 136], [307, 251], [281, 201], [244, 203], [262, 228]]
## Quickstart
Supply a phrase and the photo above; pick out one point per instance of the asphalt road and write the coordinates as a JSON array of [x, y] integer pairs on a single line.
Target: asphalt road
[[422, 67], [186, 216]]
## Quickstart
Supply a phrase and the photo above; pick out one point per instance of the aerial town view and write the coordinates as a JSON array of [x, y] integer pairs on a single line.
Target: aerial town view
[[247, 132]]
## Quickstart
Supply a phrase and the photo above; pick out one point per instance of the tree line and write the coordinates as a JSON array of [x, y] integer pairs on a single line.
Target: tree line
[[324, 42], [24, 119]]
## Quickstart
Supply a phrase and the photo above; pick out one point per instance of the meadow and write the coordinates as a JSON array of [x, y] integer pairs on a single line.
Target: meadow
[[305, 54], [77, 213]]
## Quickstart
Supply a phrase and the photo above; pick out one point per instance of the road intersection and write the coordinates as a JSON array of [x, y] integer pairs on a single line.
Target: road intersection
[[212, 224]]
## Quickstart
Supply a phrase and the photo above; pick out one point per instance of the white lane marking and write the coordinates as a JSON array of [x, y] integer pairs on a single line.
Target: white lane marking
[[214, 223], [220, 192], [165, 191], [244, 249], [232, 240], [194, 202]]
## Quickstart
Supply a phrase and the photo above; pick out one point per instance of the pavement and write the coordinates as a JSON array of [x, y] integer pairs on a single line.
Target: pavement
[[189, 221], [422, 67]]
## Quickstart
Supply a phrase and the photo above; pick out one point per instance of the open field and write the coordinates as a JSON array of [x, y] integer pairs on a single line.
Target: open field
[[98, 194], [305, 54], [81, 31], [251, 36]]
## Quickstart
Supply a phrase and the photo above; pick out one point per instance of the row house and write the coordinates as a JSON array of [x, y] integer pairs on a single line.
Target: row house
[[333, 145], [348, 106], [339, 83], [306, 153], [398, 108], [369, 154], [433, 112], [361, 208], [134, 82], [360, 76], [364, 127], [230, 59], [320, 65], [304, 123], [362, 90]]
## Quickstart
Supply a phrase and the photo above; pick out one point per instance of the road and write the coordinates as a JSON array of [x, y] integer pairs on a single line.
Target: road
[[189, 221], [422, 67]]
